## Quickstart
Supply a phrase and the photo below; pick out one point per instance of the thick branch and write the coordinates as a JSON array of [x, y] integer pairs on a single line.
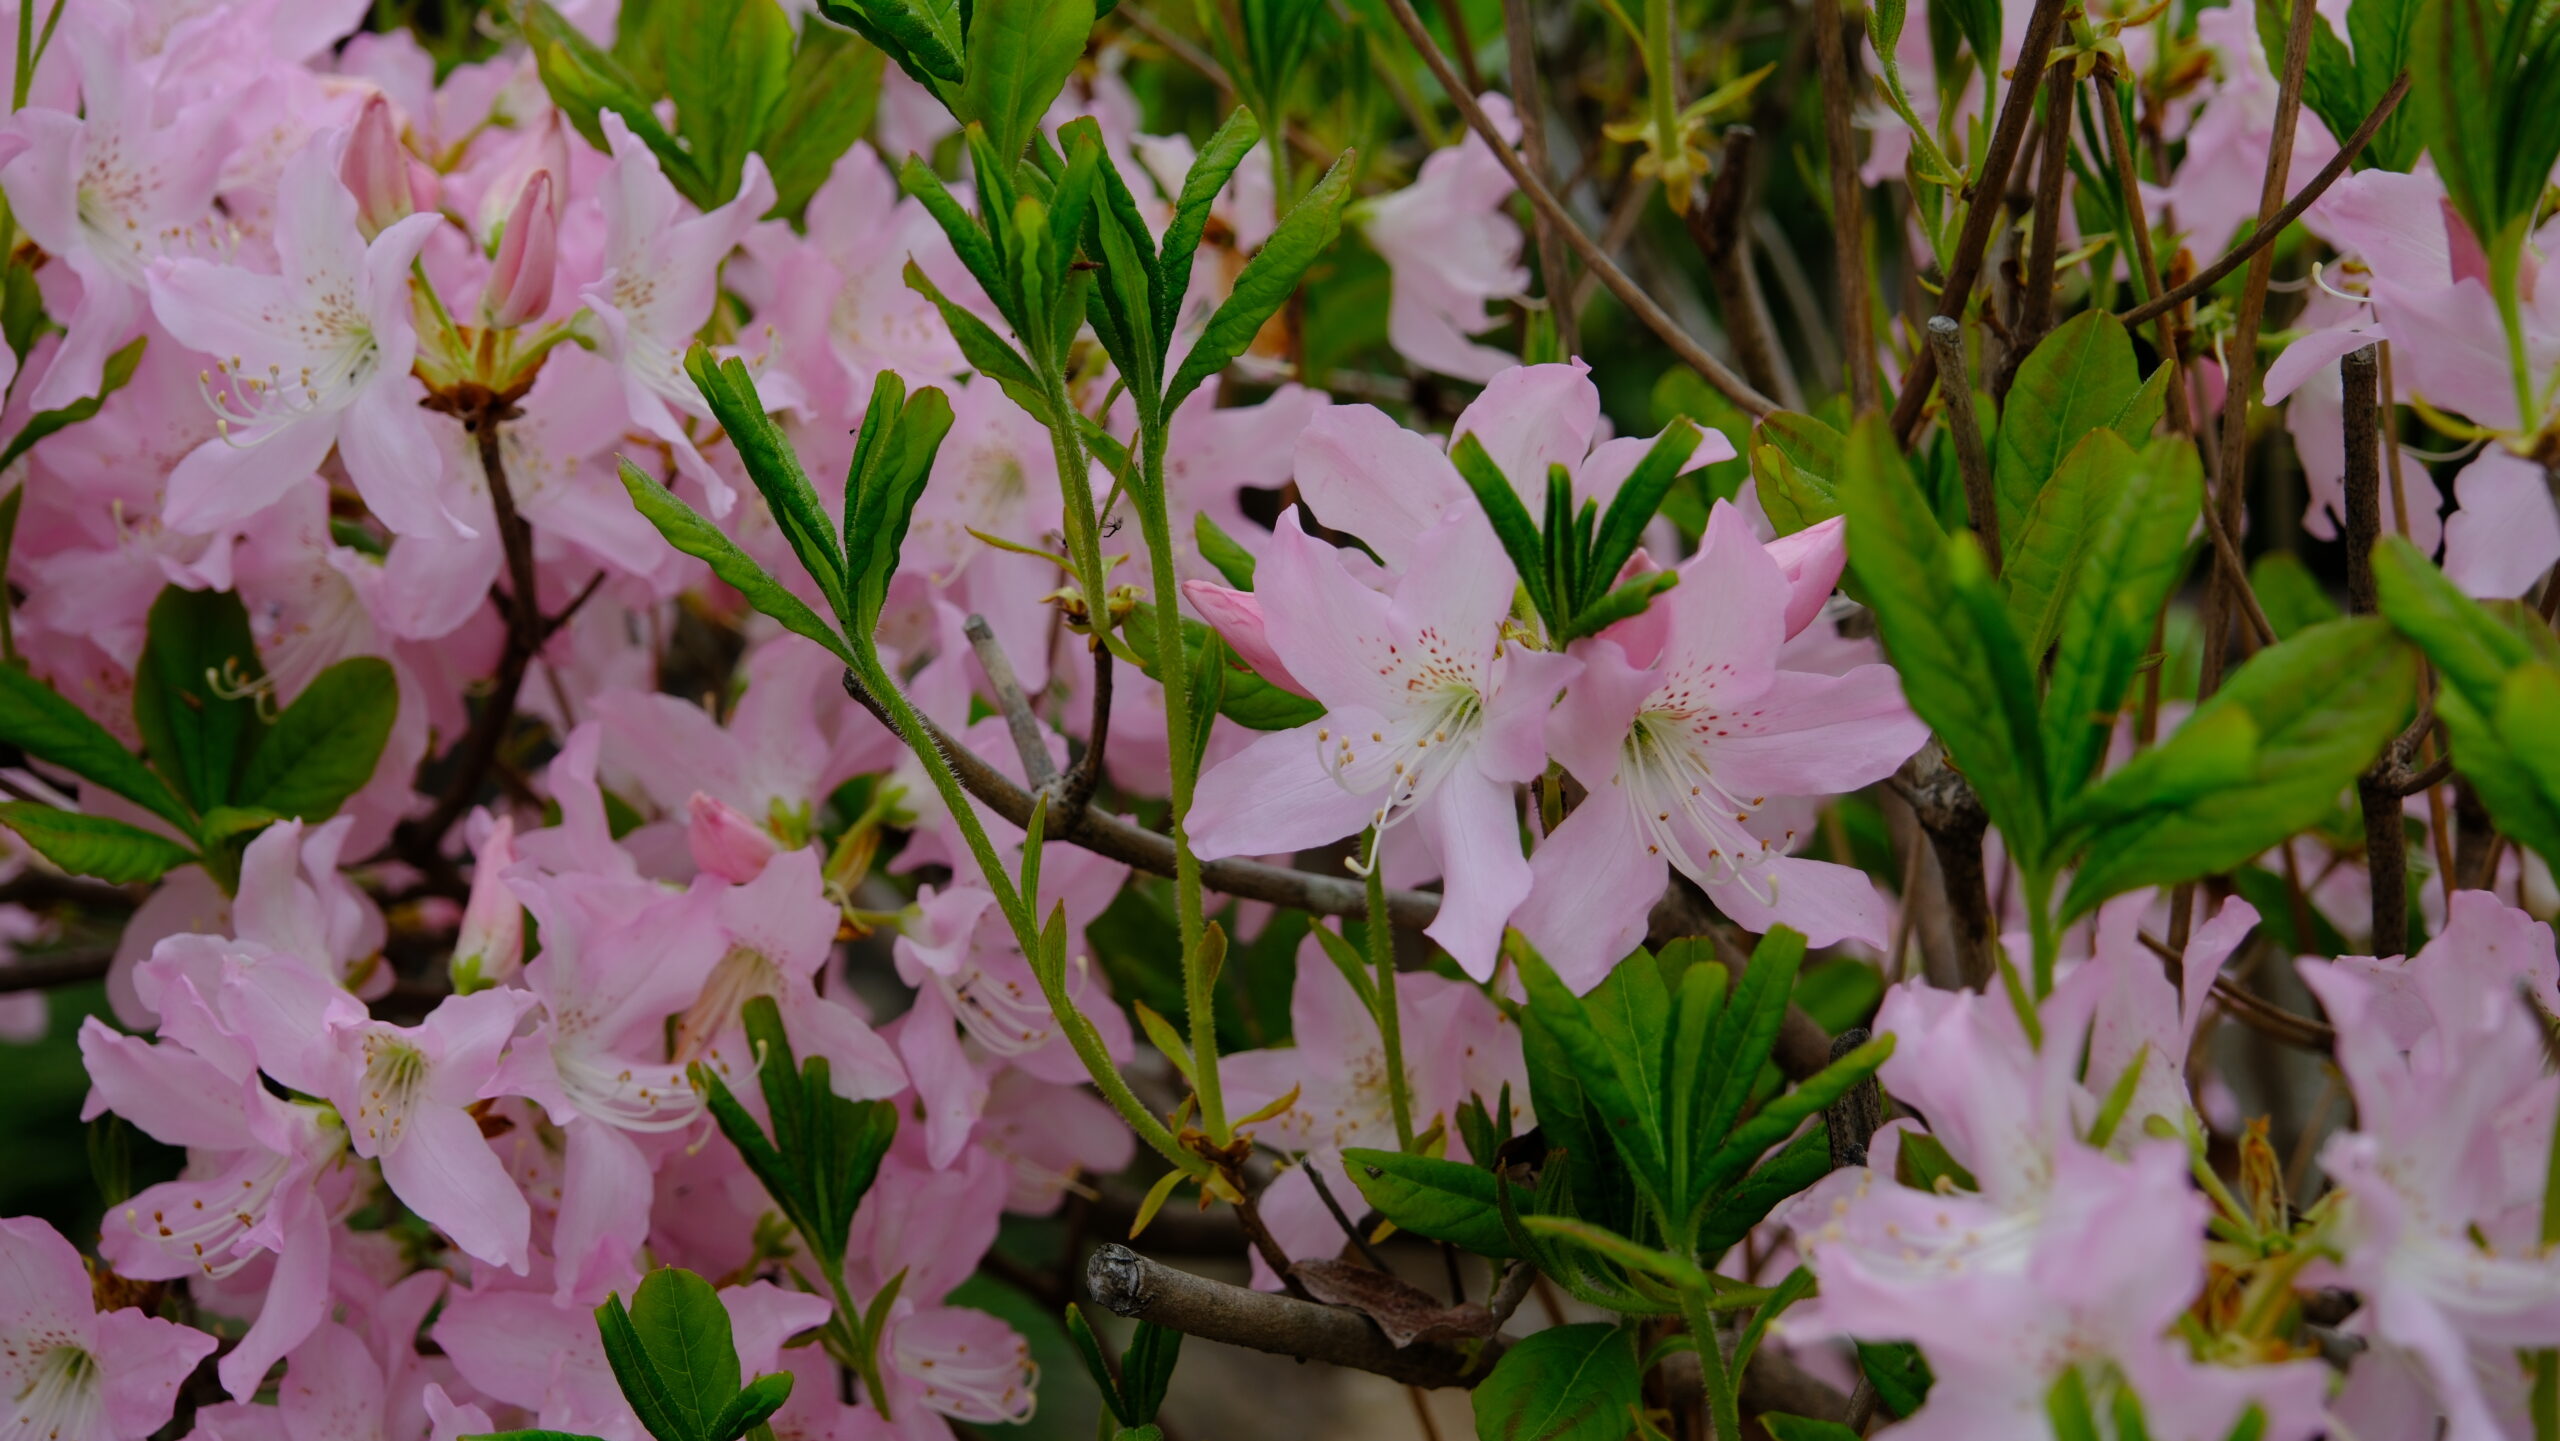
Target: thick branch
[[1983, 210], [43, 973], [1952, 817], [1597, 261], [1128, 1284], [2303, 199], [2380, 789]]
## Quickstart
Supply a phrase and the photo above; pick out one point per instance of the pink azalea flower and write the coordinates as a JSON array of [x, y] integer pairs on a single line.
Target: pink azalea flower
[[662, 277], [2441, 1183], [106, 192], [1452, 246], [861, 232], [313, 357], [1431, 714], [1681, 749], [939, 1360], [68, 1371], [776, 934]]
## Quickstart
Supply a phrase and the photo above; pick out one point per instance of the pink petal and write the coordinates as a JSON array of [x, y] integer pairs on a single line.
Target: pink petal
[[444, 1170], [1275, 795], [1594, 884]]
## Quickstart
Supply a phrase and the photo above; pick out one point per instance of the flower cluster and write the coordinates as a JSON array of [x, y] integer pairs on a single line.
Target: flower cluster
[[715, 638]]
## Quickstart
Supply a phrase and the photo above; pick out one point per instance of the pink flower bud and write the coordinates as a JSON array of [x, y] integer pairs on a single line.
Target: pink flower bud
[[543, 147], [375, 169], [519, 288], [490, 945], [1237, 616], [725, 843]]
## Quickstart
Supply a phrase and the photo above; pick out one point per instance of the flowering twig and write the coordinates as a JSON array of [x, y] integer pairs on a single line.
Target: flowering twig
[[1643, 306]]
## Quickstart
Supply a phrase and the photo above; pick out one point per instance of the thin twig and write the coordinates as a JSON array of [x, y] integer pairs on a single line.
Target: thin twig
[[1528, 99], [1715, 227], [2303, 199], [1019, 722], [1984, 209], [2035, 299], [1455, 16], [2128, 178], [1973, 461], [2379, 791], [1342, 1218], [1632, 295], [1075, 794], [1848, 204], [43, 973]]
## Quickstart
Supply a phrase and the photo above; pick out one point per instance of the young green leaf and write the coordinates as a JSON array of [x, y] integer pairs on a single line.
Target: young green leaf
[[194, 693], [95, 846], [1441, 1200], [1267, 281], [751, 1407], [923, 36], [1745, 1033], [828, 101], [727, 62], [1566, 1383], [1233, 140], [1020, 53], [2131, 560], [1233, 562], [1778, 1120], [2042, 556], [322, 749], [2079, 378], [775, 469], [699, 538]]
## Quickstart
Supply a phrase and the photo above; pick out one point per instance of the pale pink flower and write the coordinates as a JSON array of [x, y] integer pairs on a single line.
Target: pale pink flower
[[1453, 248], [1682, 747], [68, 1371]]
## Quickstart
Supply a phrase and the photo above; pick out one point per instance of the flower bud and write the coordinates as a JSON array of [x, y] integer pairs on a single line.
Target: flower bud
[[1236, 615], [519, 288], [376, 169], [725, 843], [490, 946], [545, 146]]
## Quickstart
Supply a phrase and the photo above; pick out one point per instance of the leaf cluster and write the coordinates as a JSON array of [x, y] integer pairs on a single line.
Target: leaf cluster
[[674, 1355]]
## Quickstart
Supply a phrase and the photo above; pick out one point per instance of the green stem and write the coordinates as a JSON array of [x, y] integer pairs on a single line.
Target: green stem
[[2040, 929], [1075, 478], [1019, 913], [1724, 1408], [1173, 671], [1663, 97], [1382, 958], [865, 1349], [2505, 261]]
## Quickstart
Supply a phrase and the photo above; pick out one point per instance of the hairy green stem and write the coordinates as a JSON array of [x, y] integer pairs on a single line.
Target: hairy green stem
[[1020, 912], [1724, 1406], [1084, 540], [1382, 959], [1173, 671]]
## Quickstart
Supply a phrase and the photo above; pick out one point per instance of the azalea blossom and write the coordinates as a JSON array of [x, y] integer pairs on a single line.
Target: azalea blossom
[[69, 1370]]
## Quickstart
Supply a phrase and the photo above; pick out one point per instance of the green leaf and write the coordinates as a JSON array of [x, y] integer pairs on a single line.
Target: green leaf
[[2526, 705], [39, 720], [751, 1407], [923, 36], [117, 371], [1783, 1427], [684, 1332], [2466, 642], [2079, 378], [2321, 704], [1440, 1200], [727, 63], [1633, 508], [324, 746], [651, 1398], [1778, 1120], [2291, 595], [1899, 1373], [1233, 562], [1267, 281], [1146, 1371], [775, 469], [969, 240], [1795, 464], [2330, 84], [828, 101], [2133, 556], [1020, 53], [1243, 695], [1209, 173], [1962, 667], [193, 695], [689, 532], [1745, 1033], [988, 353], [95, 846], [1519, 535], [1806, 1159], [2066, 1405], [2384, 34], [1614, 1040], [585, 81], [2044, 554], [1566, 1383]]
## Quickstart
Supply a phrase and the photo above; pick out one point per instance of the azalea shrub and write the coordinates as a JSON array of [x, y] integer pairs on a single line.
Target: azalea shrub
[[1700, 721]]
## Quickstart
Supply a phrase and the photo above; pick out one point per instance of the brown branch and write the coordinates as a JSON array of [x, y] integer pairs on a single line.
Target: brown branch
[[43, 973], [1984, 210], [2380, 789], [1075, 795], [1848, 204], [1528, 97], [1973, 460], [1632, 295], [1019, 722], [2303, 199], [1109, 835], [1456, 17], [1952, 817], [2035, 299], [1715, 227], [1128, 1284], [2128, 175]]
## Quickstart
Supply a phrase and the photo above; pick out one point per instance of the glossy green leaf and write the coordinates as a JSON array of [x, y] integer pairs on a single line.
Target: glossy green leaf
[[194, 694], [1745, 1032], [39, 720], [1020, 53], [751, 1407], [1440, 1200], [95, 846], [1771, 1184], [2080, 377], [828, 100], [1963, 669], [727, 63], [2041, 556], [1614, 1040], [2133, 554], [923, 36], [1639, 497], [2321, 704], [697, 537], [1795, 462], [1267, 281], [775, 469], [1779, 1119], [586, 81], [1521, 539], [1566, 1383], [323, 747]]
